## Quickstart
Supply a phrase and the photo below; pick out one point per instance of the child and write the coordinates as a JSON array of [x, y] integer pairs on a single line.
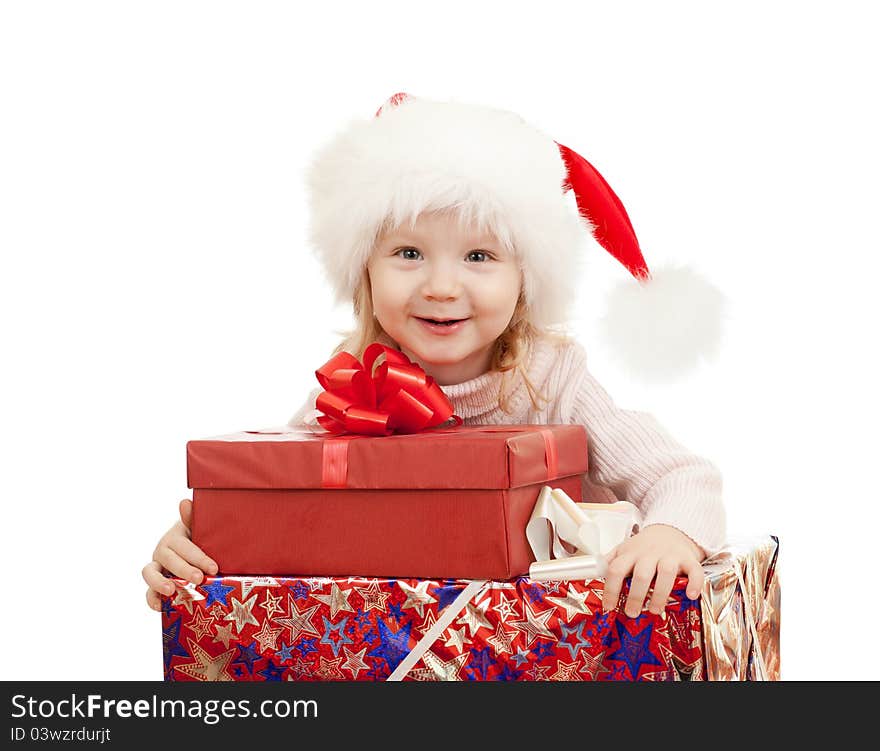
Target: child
[[445, 224]]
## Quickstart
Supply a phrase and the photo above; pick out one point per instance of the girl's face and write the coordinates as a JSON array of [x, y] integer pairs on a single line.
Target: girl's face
[[440, 272]]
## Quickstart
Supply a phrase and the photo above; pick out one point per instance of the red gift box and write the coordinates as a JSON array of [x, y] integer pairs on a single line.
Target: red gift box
[[449, 503]]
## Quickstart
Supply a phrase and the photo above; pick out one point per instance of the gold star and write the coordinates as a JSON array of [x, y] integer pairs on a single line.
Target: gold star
[[267, 637], [270, 604], [316, 583], [422, 674], [539, 672], [207, 668], [299, 621], [337, 600], [681, 633], [428, 623], [299, 668], [259, 581], [573, 602], [416, 597], [355, 662], [535, 624], [185, 595], [660, 675], [329, 670], [474, 616], [502, 641], [457, 638], [445, 671], [593, 664], [374, 598], [504, 608], [241, 613], [217, 611], [596, 587], [567, 672], [224, 634], [199, 624]]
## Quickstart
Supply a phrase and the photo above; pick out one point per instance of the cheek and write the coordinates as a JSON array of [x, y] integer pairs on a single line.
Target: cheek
[[388, 298]]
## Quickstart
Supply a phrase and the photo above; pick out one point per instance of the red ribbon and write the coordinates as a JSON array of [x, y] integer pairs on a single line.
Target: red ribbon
[[398, 398]]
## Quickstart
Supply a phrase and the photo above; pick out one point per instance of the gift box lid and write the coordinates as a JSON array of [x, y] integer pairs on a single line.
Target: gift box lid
[[466, 457]]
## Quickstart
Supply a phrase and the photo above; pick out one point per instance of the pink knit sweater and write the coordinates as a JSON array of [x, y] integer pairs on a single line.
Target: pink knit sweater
[[631, 457]]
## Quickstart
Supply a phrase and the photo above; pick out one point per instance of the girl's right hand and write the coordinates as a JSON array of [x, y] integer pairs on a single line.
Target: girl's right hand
[[176, 554]]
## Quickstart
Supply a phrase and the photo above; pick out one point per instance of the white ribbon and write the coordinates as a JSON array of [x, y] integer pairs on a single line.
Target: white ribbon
[[580, 534], [433, 633]]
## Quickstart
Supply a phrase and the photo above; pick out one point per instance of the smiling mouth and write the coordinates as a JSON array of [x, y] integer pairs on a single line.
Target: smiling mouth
[[447, 322]]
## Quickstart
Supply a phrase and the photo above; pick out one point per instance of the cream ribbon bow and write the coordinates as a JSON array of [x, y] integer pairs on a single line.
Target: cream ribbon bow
[[589, 529]]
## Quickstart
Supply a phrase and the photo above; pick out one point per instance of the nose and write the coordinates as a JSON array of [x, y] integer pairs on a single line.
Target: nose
[[442, 281]]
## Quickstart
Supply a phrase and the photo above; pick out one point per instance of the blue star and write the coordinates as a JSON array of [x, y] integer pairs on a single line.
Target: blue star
[[248, 655], [171, 645], [329, 628], [395, 610], [167, 607], [306, 646], [685, 602], [394, 646], [634, 649], [378, 672], [507, 674], [480, 662], [239, 671], [285, 653], [579, 644], [520, 657], [370, 635], [535, 592], [447, 594], [300, 590], [361, 618], [217, 592], [542, 649], [272, 672]]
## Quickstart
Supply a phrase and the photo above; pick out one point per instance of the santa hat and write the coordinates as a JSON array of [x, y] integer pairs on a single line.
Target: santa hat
[[502, 174]]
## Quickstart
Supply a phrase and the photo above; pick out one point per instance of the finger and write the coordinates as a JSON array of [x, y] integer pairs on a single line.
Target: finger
[[178, 566], [186, 506], [696, 577], [612, 554], [618, 570], [153, 600], [643, 574], [192, 553], [155, 580], [667, 570]]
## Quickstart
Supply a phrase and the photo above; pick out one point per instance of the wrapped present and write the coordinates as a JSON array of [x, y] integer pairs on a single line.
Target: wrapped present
[[443, 503], [369, 629]]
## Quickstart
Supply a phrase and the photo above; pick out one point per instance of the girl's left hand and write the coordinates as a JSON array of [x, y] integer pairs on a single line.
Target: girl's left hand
[[658, 550]]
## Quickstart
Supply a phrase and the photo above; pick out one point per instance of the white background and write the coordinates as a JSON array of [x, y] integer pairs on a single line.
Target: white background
[[156, 285]]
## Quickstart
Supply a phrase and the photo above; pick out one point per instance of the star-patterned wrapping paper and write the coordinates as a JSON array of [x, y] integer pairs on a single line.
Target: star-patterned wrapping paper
[[356, 629]]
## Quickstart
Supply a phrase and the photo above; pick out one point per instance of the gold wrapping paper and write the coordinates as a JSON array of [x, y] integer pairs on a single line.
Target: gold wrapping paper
[[740, 612]]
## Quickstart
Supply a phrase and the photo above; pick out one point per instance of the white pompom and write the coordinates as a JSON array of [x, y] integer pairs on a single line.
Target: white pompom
[[662, 329]]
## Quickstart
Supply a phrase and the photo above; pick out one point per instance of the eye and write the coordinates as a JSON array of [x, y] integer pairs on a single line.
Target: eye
[[478, 256], [408, 254]]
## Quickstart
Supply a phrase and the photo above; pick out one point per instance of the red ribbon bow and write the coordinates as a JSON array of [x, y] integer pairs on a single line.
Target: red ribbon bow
[[398, 398]]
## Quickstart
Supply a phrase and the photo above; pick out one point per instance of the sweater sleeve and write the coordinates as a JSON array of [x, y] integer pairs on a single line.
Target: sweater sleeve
[[307, 411], [632, 455]]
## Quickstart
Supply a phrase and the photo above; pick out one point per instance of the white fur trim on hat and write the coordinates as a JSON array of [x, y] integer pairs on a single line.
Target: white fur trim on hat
[[423, 155]]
